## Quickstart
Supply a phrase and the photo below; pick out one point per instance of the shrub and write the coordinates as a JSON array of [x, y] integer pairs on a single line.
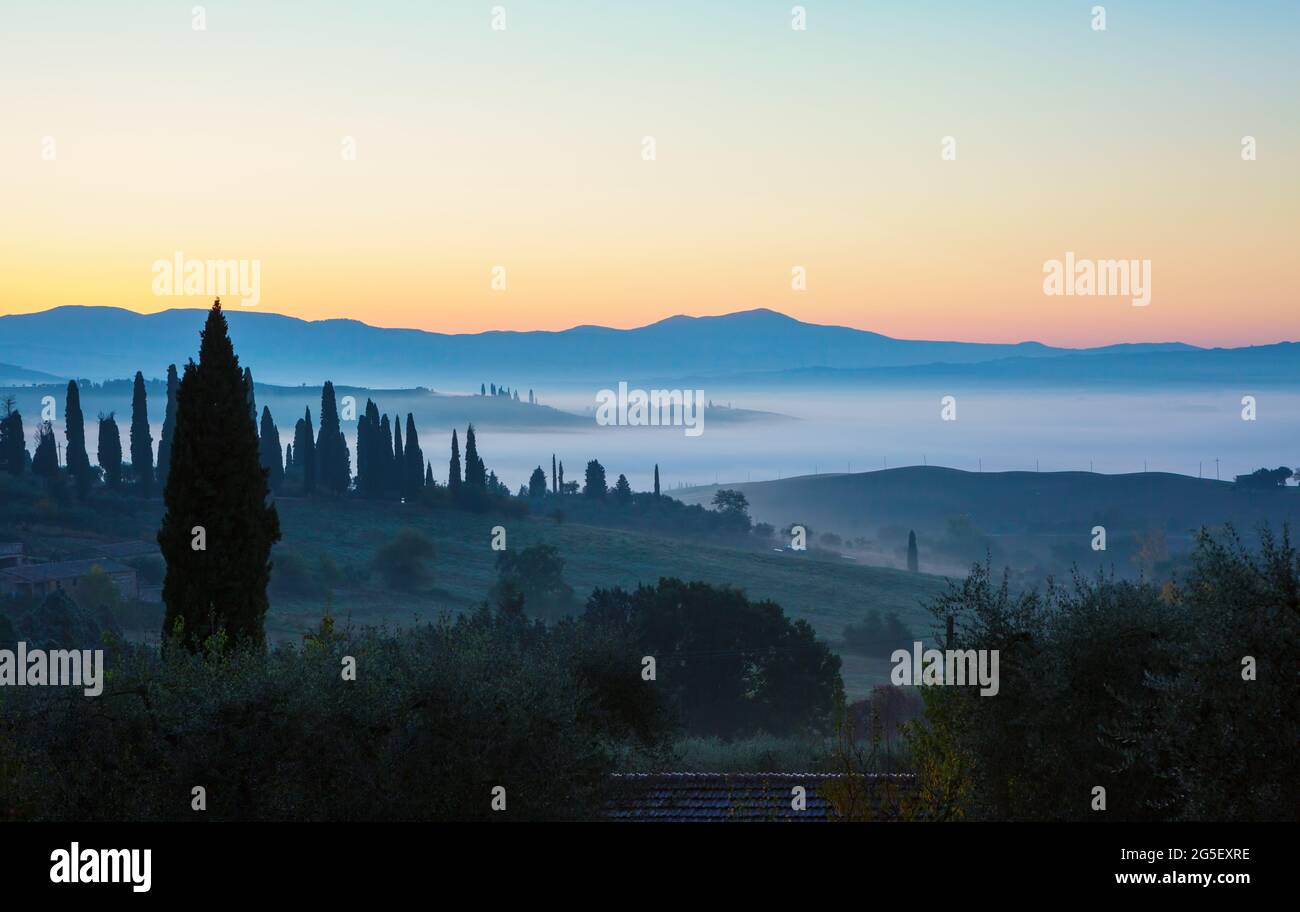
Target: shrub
[[437, 716], [404, 562]]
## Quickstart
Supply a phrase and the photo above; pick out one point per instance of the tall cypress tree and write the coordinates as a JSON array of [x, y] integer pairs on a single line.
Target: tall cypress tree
[[333, 463], [13, 449], [169, 426], [397, 471], [304, 452], [45, 462], [268, 450], [141, 438], [656, 479], [913, 563], [369, 452], [453, 470], [414, 459], [384, 460], [109, 450], [74, 430], [475, 474], [428, 475], [555, 488], [217, 533], [248, 391]]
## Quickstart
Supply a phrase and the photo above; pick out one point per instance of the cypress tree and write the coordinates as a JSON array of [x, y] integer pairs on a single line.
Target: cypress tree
[[333, 462], [561, 477], [169, 426], [656, 479], [397, 471], [555, 488], [453, 473], [269, 450], [475, 474], [141, 438], [74, 430], [428, 475], [45, 462], [109, 451], [414, 459], [304, 452], [13, 449], [370, 458], [595, 484], [384, 460], [913, 562], [216, 576], [288, 456], [537, 483], [248, 391]]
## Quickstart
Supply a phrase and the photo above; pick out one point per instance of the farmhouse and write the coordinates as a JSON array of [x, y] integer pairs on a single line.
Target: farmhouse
[[12, 555], [41, 579]]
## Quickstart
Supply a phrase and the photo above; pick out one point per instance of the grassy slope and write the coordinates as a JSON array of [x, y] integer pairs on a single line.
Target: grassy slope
[[1019, 502], [827, 594]]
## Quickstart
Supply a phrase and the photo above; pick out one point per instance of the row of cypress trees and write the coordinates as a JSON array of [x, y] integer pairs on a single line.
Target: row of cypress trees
[[387, 467], [45, 462]]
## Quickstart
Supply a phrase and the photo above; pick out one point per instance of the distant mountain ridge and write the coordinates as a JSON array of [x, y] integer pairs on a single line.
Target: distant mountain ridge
[[12, 375], [107, 343]]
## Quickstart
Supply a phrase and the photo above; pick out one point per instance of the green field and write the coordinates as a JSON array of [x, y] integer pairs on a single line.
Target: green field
[[828, 594]]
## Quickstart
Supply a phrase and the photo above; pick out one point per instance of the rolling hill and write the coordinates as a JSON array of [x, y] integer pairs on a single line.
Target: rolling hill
[[103, 342], [1020, 503], [12, 375]]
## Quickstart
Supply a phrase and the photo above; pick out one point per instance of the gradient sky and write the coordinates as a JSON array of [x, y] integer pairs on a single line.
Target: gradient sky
[[776, 148]]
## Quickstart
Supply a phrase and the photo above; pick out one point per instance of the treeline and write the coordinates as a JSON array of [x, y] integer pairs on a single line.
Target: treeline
[[1124, 700], [436, 717], [140, 475], [492, 389]]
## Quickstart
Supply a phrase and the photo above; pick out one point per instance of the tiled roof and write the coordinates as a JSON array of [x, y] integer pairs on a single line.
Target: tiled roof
[[128, 549], [722, 797], [59, 570]]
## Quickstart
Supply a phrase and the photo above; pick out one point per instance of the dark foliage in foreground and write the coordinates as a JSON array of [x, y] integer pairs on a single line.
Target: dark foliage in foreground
[[436, 718], [730, 666], [1137, 689]]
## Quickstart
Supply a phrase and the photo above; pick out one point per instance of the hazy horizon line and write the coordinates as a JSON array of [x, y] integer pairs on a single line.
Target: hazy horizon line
[[260, 311]]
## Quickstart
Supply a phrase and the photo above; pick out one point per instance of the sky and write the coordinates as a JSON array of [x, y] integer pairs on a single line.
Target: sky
[[127, 135]]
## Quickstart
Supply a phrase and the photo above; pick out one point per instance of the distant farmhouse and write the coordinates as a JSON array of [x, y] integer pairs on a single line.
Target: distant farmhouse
[[127, 550], [40, 580], [20, 575], [12, 554]]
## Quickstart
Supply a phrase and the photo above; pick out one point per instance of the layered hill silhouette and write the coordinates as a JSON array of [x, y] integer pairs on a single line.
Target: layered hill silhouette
[[12, 375], [100, 343], [1021, 502]]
